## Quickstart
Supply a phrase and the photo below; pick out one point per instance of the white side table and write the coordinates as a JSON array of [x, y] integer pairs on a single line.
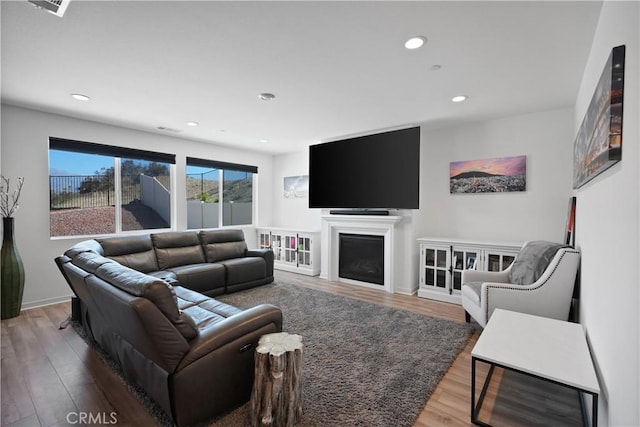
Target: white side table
[[544, 348]]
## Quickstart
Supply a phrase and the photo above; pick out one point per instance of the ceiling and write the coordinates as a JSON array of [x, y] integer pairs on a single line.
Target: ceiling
[[336, 68]]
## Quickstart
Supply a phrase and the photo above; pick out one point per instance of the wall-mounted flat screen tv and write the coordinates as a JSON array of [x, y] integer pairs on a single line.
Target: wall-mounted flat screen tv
[[379, 171]]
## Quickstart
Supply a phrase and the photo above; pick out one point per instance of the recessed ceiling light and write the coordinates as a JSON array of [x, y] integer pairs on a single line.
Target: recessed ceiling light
[[265, 96], [264, 140], [459, 98], [415, 42], [80, 97], [192, 123]]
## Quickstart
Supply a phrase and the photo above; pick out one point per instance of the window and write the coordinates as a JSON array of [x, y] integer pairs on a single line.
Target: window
[[99, 189], [219, 194]]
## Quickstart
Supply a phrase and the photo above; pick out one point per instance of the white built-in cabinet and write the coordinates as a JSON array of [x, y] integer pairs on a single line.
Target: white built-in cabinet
[[297, 251], [443, 260]]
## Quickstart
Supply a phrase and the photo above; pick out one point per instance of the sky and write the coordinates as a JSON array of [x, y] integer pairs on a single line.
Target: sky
[[68, 163], [497, 166]]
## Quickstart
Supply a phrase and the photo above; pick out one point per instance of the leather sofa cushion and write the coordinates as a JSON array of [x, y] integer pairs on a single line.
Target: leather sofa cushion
[[247, 269], [90, 261], [158, 291], [203, 277], [177, 248], [204, 311], [86, 246], [132, 251], [223, 244]]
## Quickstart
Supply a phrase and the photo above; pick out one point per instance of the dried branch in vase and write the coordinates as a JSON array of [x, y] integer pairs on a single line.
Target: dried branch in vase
[[9, 200]]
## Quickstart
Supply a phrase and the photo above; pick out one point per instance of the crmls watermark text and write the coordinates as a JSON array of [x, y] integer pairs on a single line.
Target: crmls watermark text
[[88, 418]]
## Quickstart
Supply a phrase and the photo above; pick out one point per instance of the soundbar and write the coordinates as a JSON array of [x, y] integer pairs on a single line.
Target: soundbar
[[380, 212]]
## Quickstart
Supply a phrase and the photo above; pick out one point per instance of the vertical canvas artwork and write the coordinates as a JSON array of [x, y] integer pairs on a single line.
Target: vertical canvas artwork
[[570, 229], [497, 175], [296, 187], [598, 145]]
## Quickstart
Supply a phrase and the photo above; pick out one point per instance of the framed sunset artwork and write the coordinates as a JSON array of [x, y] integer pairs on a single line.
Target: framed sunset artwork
[[496, 175]]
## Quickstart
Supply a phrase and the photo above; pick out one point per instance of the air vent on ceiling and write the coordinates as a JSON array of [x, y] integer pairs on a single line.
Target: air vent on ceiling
[[57, 7], [166, 129]]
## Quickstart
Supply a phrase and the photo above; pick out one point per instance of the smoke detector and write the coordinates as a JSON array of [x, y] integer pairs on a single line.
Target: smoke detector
[[57, 7]]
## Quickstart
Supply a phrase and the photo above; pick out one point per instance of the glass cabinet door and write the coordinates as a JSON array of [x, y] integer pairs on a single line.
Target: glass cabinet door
[[499, 261], [462, 260], [435, 265], [304, 251], [276, 246], [290, 249], [265, 240]]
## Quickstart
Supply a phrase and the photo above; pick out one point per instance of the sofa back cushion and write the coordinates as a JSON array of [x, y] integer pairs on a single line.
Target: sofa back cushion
[[132, 251], [177, 248], [85, 246], [223, 244], [532, 261], [158, 291], [90, 261]]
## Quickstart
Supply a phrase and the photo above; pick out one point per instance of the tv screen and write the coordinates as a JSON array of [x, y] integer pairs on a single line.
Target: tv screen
[[379, 171]]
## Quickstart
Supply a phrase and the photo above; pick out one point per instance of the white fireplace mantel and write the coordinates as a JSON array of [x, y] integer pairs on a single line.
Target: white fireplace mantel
[[333, 225]]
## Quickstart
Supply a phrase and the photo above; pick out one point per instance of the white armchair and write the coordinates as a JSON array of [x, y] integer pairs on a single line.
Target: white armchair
[[540, 282]]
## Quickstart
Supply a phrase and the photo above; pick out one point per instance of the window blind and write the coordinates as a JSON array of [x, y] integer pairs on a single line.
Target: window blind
[[214, 164], [109, 150]]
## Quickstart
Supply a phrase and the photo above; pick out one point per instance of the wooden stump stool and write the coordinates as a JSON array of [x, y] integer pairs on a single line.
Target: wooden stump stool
[[276, 399]]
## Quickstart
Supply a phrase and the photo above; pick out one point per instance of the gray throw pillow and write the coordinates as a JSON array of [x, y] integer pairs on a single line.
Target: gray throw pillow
[[532, 260]]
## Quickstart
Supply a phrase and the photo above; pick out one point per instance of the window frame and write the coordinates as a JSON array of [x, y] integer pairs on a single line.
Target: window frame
[[221, 167], [117, 153]]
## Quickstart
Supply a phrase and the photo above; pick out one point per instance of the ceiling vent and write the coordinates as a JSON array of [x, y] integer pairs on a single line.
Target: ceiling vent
[[167, 129], [57, 7]]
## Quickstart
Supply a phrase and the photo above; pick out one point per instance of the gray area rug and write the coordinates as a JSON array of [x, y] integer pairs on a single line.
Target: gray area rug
[[363, 364]]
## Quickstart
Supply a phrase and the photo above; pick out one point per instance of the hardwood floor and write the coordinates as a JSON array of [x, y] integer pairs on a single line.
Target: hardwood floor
[[50, 377]]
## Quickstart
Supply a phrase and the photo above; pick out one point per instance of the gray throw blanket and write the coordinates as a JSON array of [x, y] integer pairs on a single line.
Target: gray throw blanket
[[532, 261]]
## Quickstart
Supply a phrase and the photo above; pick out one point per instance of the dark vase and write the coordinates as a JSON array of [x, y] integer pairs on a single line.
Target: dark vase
[[12, 273]]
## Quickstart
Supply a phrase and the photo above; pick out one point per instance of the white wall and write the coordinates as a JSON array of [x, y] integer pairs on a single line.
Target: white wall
[[292, 212], [607, 224], [546, 138], [25, 148], [537, 213]]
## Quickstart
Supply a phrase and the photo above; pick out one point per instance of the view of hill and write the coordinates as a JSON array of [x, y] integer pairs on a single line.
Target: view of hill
[[208, 190], [474, 174]]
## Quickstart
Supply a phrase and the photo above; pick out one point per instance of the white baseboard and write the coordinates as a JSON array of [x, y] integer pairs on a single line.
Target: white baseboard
[[43, 302]]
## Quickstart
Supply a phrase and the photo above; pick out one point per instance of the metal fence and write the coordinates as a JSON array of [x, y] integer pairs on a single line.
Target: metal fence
[[89, 191], [203, 186]]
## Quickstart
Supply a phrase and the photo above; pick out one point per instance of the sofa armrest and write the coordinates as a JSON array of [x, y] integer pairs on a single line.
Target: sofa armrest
[[231, 329], [485, 276], [268, 256]]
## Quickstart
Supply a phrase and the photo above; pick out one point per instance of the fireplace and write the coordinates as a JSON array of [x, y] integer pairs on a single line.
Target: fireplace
[[361, 258], [395, 233]]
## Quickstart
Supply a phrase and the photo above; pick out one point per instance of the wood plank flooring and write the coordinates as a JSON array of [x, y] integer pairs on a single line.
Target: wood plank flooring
[[50, 376]]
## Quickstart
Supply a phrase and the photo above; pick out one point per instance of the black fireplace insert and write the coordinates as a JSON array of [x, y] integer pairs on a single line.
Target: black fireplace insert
[[361, 258]]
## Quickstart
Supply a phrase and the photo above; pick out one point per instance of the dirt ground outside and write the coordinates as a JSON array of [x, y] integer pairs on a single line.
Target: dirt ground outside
[[102, 220]]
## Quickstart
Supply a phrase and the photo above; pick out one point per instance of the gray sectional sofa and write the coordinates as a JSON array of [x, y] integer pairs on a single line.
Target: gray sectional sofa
[[147, 301]]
